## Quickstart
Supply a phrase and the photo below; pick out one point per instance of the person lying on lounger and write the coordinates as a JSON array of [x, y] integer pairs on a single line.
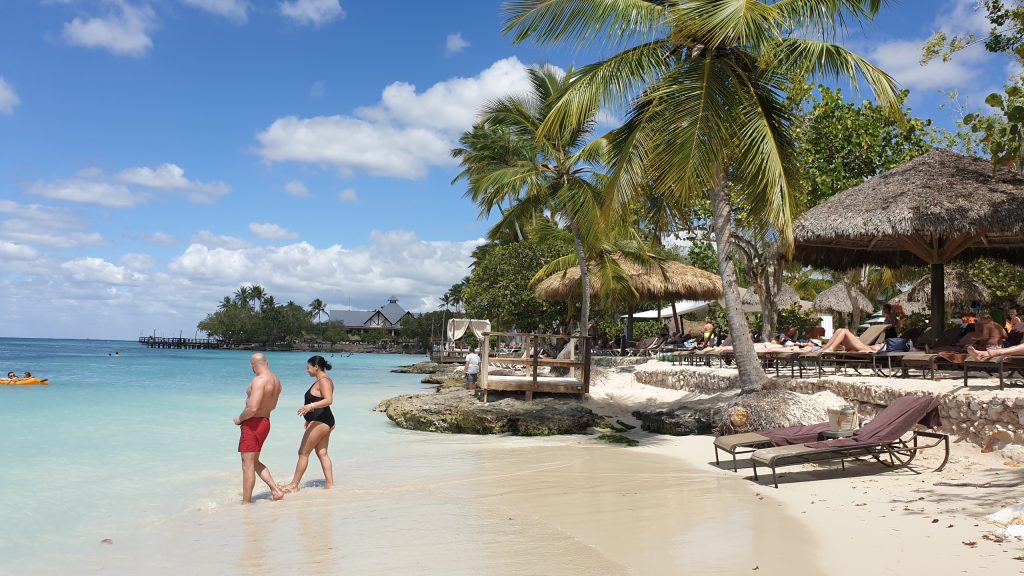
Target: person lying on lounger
[[843, 340], [987, 335], [990, 353]]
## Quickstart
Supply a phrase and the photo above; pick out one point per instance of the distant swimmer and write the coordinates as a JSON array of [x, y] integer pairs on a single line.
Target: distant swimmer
[[261, 399], [319, 423]]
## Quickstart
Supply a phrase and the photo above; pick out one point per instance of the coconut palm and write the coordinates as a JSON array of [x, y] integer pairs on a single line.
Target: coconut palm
[[225, 303], [554, 170], [257, 294], [243, 296], [703, 84], [317, 308]]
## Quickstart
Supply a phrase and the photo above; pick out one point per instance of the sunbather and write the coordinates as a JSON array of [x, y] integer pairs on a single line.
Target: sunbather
[[987, 335], [848, 341], [989, 353]]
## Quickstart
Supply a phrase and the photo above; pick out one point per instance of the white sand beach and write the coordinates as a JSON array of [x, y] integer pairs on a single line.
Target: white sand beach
[[573, 505]]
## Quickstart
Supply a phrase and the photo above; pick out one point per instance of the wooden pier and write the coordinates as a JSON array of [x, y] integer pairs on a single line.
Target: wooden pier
[[183, 343]]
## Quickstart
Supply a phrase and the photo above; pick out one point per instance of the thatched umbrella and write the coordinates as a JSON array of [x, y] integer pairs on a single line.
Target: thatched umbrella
[[843, 297], [940, 206], [678, 282], [909, 306], [960, 288], [670, 280], [786, 296]]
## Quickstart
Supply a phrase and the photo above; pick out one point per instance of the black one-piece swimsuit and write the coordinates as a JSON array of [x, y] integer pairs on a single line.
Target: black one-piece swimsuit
[[320, 414]]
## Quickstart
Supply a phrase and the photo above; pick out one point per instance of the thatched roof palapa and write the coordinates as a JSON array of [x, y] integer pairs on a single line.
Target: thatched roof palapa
[[679, 281], [785, 297], [960, 289], [937, 207], [843, 297]]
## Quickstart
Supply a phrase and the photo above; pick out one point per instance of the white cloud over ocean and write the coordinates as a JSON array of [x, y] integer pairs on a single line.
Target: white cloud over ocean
[[128, 187], [236, 11], [403, 135]]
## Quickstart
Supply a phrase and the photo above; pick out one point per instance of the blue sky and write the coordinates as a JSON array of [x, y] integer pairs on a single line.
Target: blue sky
[[157, 154]]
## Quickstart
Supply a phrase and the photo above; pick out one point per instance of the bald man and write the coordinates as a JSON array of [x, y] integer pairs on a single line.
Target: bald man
[[261, 399]]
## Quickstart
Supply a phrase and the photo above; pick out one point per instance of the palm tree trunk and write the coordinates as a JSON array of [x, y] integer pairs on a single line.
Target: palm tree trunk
[[752, 376], [584, 279]]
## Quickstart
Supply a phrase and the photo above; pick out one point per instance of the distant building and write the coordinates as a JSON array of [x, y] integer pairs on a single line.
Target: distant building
[[388, 317]]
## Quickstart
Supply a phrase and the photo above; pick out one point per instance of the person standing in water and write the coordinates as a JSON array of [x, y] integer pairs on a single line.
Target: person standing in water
[[319, 424], [254, 423]]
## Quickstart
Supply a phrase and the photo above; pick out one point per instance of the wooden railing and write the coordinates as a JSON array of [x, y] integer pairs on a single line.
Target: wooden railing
[[578, 364]]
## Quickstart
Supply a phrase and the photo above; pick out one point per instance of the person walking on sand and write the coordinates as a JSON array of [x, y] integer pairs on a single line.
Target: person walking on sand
[[319, 424], [254, 423]]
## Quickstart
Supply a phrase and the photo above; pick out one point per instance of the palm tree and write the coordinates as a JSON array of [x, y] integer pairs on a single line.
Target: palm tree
[[243, 296], [550, 171], [225, 303], [317, 308], [704, 86], [257, 294]]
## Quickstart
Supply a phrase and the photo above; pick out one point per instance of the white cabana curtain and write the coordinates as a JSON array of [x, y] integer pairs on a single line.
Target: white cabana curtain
[[458, 326]]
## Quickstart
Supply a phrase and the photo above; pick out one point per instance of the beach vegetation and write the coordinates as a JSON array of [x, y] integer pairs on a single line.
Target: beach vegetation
[[238, 320], [618, 439], [702, 89]]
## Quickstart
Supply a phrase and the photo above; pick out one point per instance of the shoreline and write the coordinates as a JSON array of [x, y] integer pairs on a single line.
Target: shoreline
[[572, 504]]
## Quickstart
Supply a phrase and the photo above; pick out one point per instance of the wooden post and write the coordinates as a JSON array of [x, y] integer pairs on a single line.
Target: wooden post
[[485, 346], [536, 357]]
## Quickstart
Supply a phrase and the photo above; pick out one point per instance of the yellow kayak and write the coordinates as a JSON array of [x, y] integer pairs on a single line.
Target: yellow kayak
[[24, 381]]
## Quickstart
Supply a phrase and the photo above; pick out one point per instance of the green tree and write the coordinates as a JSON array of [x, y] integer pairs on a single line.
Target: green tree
[[317, 308], [554, 172], [498, 289], [420, 329], [704, 86]]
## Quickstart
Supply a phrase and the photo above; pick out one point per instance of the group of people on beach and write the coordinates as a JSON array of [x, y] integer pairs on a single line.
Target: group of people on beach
[[254, 423]]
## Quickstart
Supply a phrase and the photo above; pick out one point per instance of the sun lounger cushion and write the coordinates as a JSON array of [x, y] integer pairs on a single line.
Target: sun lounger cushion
[[894, 421]]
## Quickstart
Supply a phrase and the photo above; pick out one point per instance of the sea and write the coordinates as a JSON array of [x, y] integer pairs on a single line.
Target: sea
[[126, 437]]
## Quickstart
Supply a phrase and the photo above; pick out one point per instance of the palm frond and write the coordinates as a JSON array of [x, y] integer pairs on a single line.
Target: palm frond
[[835, 62], [619, 23]]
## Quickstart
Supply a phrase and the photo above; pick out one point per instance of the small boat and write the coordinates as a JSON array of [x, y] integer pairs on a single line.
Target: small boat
[[24, 381]]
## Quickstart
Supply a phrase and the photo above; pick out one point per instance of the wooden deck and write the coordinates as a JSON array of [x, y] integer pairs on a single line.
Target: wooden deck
[[577, 382]]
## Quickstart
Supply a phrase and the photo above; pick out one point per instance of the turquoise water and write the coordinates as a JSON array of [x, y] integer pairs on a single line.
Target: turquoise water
[[118, 443]]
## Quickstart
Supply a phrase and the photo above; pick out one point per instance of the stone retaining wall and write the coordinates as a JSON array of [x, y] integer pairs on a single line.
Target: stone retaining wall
[[987, 418]]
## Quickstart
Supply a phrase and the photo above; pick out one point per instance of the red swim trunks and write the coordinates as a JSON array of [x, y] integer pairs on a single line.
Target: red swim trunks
[[254, 433]]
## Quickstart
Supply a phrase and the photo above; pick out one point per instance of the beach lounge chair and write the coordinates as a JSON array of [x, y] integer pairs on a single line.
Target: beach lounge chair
[[747, 442], [647, 347], [1002, 366], [883, 436], [929, 362]]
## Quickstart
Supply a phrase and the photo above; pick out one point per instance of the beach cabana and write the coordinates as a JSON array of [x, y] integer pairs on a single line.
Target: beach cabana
[[937, 208], [960, 288]]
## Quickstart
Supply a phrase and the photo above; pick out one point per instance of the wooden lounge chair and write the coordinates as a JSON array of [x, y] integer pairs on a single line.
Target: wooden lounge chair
[[646, 347], [882, 436], [748, 442], [929, 362], [1002, 366]]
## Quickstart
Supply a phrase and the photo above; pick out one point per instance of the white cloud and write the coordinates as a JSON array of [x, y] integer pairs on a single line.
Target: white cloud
[[312, 12], [86, 191], [8, 97], [271, 232], [348, 196], [455, 43], [318, 89], [901, 59], [207, 238], [159, 239], [403, 135], [15, 251], [234, 10], [137, 262], [100, 271], [297, 188], [172, 177], [38, 225], [124, 32]]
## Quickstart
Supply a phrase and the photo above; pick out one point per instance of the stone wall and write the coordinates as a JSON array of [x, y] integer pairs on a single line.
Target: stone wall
[[987, 417]]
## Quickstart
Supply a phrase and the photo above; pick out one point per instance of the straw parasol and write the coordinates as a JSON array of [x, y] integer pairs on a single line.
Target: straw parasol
[[960, 288], [679, 281], [785, 297], [843, 297], [939, 207]]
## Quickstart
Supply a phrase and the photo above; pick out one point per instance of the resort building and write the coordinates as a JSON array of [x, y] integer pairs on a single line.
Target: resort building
[[388, 317]]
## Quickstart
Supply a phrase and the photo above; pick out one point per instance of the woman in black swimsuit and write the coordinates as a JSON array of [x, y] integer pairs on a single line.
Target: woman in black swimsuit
[[319, 423]]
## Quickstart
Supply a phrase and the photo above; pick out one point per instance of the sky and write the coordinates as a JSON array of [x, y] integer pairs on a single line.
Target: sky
[[155, 155]]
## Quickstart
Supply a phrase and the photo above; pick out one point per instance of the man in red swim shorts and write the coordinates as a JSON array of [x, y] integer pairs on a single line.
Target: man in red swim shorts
[[254, 422]]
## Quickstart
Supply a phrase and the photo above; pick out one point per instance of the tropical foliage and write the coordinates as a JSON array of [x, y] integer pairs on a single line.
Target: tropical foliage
[[253, 316]]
